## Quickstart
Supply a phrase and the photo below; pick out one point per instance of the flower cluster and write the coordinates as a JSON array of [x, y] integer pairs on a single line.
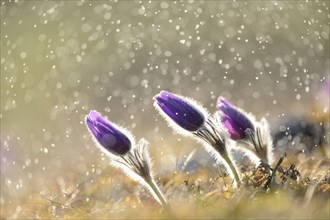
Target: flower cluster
[[228, 128], [201, 126]]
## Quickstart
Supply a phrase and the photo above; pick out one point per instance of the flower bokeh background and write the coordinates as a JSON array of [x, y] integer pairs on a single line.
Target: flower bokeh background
[[61, 59]]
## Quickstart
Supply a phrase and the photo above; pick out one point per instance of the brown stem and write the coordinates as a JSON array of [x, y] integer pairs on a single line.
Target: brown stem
[[272, 177]]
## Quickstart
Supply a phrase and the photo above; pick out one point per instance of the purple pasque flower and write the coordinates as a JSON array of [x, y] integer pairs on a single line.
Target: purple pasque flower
[[107, 134], [235, 121], [192, 117], [181, 111]]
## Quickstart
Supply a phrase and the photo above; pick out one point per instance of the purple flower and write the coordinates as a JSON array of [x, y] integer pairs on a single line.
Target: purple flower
[[235, 121], [107, 135], [180, 110]]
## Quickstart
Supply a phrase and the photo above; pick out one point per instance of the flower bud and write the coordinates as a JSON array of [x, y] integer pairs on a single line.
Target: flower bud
[[181, 111], [107, 134], [235, 121]]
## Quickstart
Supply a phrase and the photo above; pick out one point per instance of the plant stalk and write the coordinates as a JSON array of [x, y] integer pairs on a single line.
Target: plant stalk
[[156, 191], [271, 180], [233, 168]]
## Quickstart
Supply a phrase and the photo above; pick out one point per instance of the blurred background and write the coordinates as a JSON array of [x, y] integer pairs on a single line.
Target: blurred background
[[61, 59]]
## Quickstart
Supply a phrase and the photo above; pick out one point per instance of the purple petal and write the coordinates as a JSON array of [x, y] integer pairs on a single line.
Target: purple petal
[[180, 111], [234, 120], [107, 135]]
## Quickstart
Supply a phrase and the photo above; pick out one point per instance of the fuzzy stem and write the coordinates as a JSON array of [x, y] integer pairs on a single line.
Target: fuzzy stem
[[232, 168], [211, 134], [154, 187]]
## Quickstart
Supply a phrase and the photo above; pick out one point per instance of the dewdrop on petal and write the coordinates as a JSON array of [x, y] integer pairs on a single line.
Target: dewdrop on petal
[[119, 145]]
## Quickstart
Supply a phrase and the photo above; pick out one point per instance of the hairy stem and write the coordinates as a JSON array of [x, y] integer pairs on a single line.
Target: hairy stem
[[156, 191], [232, 168]]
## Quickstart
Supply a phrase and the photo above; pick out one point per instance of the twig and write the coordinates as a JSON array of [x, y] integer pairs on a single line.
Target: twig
[[272, 177], [58, 203], [213, 181]]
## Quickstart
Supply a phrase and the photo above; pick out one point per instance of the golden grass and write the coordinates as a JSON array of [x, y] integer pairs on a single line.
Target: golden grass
[[192, 196]]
